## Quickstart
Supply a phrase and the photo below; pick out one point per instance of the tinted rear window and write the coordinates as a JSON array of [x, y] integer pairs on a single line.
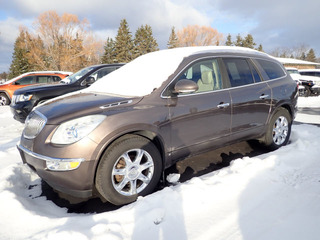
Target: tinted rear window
[[271, 69]]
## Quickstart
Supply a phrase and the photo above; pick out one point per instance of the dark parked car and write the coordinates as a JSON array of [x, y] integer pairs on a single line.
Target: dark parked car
[[25, 99], [311, 81], [115, 139]]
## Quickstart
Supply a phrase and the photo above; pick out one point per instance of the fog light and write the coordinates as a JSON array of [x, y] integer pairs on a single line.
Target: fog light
[[62, 165]]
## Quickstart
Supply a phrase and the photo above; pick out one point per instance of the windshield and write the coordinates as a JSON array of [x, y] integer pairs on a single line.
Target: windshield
[[74, 77]]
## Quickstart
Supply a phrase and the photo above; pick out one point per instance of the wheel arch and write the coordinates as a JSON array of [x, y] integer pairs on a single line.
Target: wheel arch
[[285, 106], [6, 93], [288, 108], [150, 135]]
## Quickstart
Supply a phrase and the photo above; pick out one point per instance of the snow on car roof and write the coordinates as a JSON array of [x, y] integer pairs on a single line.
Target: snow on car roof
[[141, 76]]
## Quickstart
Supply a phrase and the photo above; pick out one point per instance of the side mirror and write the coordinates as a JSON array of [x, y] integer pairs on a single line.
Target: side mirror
[[185, 86], [88, 81]]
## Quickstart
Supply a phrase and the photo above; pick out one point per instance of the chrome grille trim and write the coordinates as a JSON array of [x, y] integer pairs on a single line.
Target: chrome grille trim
[[14, 99], [46, 158], [34, 124]]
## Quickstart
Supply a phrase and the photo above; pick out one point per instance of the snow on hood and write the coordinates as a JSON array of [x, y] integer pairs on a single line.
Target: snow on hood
[[141, 76]]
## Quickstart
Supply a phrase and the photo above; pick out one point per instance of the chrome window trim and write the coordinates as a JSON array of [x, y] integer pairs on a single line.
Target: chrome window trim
[[222, 56]]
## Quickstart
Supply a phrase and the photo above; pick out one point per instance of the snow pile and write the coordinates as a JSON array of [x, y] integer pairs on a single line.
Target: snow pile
[[309, 104], [270, 196]]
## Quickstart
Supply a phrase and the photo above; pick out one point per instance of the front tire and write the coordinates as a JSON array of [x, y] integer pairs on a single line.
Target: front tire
[[4, 100], [279, 130], [129, 168]]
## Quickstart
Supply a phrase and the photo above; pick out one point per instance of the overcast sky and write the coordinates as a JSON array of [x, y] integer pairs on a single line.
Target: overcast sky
[[273, 23]]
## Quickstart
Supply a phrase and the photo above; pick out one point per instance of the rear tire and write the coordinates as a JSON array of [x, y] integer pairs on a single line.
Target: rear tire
[[4, 100], [129, 168], [279, 130]]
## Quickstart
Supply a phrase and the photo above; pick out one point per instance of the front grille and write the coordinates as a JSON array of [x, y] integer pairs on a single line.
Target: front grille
[[34, 124]]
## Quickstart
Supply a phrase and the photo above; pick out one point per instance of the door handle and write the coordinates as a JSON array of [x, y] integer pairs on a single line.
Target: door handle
[[223, 105], [263, 96]]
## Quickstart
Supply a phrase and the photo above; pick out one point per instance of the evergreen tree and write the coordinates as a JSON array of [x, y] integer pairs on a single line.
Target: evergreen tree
[[4, 76], [109, 52], [248, 42], [123, 43], [303, 56], [311, 56], [173, 39], [260, 48], [144, 42], [20, 63], [229, 42], [239, 41]]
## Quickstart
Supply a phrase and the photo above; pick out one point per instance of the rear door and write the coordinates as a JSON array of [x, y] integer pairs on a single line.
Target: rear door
[[251, 98]]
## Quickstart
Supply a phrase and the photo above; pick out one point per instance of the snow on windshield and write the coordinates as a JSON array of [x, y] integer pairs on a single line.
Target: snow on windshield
[[141, 76], [74, 77]]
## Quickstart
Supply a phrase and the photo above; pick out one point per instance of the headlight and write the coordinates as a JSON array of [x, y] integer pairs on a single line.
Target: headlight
[[74, 130], [23, 98]]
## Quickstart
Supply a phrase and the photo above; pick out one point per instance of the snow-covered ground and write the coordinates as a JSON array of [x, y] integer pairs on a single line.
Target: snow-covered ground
[[270, 196]]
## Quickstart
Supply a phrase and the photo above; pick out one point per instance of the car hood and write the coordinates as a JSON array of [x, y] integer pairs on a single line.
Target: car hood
[[39, 88], [77, 105]]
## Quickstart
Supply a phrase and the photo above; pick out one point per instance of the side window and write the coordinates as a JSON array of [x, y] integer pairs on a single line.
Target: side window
[[26, 80], [206, 74], [255, 74], [308, 73], [55, 78], [43, 79], [239, 71], [311, 73], [271, 69], [102, 72]]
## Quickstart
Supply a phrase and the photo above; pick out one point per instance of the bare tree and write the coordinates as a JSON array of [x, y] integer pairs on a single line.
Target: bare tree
[[199, 36], [297, 52], [62, 43]]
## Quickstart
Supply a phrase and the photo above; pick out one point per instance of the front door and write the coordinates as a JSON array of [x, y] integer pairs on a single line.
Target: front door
[[201, 119]]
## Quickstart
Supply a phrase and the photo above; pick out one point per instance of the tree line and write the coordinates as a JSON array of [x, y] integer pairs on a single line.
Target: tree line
[[66, 43]]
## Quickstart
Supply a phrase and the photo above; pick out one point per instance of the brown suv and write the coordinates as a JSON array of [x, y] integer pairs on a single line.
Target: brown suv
[[114, 139]]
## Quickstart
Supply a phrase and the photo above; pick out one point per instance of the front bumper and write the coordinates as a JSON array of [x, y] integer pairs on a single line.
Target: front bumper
[[21, 110], [77, 183]]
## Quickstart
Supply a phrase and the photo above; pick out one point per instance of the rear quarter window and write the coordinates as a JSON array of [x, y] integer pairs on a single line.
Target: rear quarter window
[[270, 70]]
